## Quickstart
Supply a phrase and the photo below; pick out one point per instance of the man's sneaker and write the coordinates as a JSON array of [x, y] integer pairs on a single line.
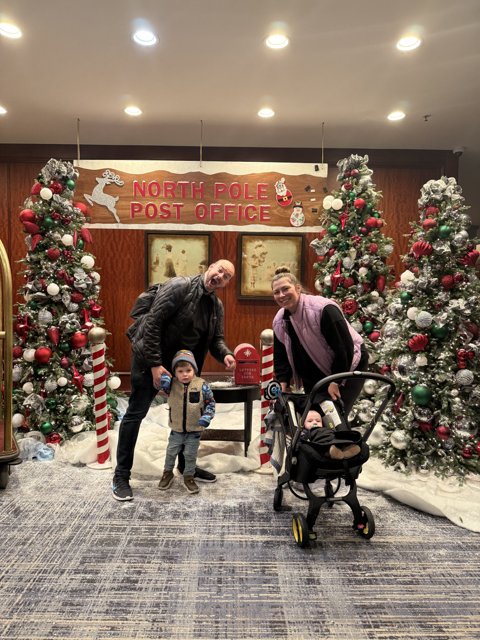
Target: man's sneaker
[[166, 481], [121, 489], [204, 476], [190, 484]]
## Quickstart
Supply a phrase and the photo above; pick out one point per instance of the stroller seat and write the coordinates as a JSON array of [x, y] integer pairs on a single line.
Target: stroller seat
[[304, 462]]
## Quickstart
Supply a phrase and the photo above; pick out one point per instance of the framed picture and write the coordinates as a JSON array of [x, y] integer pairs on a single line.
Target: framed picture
[[258, 257], [175, 254]]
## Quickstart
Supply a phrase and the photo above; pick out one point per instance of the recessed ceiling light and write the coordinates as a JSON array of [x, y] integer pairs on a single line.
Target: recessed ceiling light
[[133, 111], [396, 115], [3, 111], [277, 41], [266, 112], [408, 43], [10, 30], [144, 37]]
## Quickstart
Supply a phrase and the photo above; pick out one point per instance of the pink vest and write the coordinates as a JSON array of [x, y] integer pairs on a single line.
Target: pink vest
[[306, 321]]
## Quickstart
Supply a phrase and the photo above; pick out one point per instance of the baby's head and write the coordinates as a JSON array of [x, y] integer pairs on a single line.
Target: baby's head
[[313, 419], [184, 366]]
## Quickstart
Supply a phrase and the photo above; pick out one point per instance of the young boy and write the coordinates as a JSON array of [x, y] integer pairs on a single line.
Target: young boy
[[313, 422], [191, 407]]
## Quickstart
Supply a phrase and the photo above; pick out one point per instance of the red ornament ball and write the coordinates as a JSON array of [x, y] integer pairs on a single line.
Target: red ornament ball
[[53, 253], [37, 187], [371, 222], [27, 215], [442, 432], [429, 223], [373, 248], [467, 452], [43, 355], [76, 297], [431, 211], [78, 340], [17, 352], [55, 186], [447, 282], [82, 206], [359, 203], [374, 336], [425, 426]]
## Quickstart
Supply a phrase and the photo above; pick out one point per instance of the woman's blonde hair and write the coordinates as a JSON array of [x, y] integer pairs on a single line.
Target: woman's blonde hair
[[284, 272]]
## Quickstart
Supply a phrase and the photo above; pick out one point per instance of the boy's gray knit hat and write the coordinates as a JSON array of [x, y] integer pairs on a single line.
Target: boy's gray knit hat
[[184, 356]]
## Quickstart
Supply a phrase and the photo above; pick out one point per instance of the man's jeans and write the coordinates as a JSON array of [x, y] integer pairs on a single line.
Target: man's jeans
[[189, 442], [141, 397]]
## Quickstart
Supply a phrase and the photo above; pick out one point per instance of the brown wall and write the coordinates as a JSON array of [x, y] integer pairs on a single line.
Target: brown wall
[[399, 175]]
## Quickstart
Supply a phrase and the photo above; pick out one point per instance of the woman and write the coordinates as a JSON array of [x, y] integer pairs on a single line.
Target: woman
[[313, 340]]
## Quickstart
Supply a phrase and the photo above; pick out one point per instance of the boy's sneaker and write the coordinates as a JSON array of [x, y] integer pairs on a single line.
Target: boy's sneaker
[[190, 484], [204, 476], [166, 481], [121, 489]]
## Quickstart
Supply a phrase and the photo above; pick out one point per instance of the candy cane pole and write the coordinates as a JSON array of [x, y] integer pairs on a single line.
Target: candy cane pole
[[97, 340], [266, 374]]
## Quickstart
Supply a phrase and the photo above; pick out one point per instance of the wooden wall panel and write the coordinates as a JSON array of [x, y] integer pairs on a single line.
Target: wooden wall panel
[[119, 253]]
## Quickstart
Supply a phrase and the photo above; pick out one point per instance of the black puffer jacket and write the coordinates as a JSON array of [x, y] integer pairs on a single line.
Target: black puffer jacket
[[158, 334]]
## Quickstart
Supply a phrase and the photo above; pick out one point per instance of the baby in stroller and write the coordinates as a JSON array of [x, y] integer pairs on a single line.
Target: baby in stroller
[[303, 452]]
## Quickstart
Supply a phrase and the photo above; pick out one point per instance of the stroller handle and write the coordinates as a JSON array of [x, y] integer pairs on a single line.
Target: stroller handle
[[365, 375]]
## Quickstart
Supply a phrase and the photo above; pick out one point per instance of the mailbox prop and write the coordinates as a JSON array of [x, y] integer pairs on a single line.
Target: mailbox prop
[[248, 364]]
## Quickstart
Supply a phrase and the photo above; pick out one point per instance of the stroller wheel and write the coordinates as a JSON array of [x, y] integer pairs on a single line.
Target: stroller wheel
[[300, 530], [366, 527], [277, 499]]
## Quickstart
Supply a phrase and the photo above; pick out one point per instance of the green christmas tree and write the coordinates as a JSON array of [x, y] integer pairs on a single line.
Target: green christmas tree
[[52, 372], [431, 344], [352, 251]]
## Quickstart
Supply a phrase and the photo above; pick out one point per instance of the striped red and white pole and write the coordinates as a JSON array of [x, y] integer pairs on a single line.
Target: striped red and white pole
[[266, 374], [102, 416]]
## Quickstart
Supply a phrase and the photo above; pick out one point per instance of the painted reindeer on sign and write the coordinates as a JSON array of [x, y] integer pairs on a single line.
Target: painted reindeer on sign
[[104, 199]]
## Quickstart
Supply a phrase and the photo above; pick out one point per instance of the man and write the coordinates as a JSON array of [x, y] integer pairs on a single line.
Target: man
[[186, 314]]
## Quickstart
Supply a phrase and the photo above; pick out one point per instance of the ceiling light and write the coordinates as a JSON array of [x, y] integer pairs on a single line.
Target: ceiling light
[[266, 112], [144, 37], [133, 111], [10, 30], [396, 115], [277, 41], [408, 43], [3, 111]]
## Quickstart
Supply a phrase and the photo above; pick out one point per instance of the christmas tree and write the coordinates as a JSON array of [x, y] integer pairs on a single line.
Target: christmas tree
[[52, 372], [431, 344], [352, 257]]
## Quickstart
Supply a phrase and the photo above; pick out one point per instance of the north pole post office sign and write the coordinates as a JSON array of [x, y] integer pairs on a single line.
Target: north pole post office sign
[[207, 195]]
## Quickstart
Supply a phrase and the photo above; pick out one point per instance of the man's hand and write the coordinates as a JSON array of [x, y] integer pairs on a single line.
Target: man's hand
[[230, 362], [157, 374]]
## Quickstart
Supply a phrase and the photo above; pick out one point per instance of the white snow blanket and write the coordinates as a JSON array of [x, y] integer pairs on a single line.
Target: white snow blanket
[[427, 493]]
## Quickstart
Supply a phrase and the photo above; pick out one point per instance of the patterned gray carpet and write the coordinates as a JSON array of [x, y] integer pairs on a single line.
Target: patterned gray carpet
[[222, 565]]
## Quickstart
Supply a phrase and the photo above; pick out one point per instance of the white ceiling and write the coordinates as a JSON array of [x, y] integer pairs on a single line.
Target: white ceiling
[[77, 61]]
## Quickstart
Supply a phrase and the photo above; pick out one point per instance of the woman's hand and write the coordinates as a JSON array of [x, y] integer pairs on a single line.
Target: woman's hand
[[334, 391]]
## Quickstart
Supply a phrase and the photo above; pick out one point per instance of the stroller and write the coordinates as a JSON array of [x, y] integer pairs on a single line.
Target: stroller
[[306, 462]]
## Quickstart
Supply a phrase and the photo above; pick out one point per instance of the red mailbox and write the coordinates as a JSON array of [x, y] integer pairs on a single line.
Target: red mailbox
[[248, 364]]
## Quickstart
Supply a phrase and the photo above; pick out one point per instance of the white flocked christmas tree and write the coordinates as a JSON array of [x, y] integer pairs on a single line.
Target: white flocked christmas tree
[[431, 344], [53, 380]]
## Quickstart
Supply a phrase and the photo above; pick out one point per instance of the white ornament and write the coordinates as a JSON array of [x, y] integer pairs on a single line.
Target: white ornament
[[327, 202], [46, 193], [50, 385], [29, 355], [95, 276], [464, 377], [357, 326], [88, 380], [53, 289], [412, 313], [67, 240], [44, 317], [62, 381], [28, 387], [318, 285], [17, 420], [399, 439], [87, 261], [337, 204], [363, 271], [347, 262], [407, 276], [388, 248], [423, 320], [327, 281], [114, 382], [370, 387], [421, 360], [375, 295]]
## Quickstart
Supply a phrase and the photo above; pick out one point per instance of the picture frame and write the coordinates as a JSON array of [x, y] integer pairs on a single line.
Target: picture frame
[[259, 254], [175, 254]]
